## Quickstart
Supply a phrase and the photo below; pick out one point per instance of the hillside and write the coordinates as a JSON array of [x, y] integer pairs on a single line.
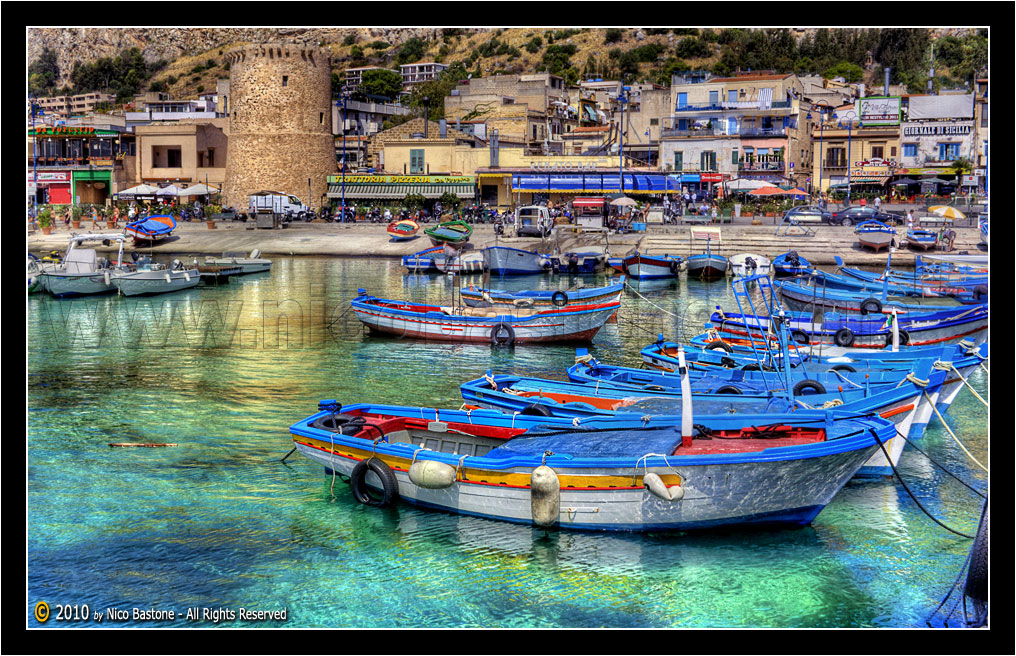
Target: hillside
[[649, 54]]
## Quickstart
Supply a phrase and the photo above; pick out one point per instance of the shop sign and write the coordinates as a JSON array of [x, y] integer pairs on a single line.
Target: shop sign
[[712, 177], [563, 166], [934, 130], [403, 179], [879, 110], [877, 162], [101, 162], [50, 176]]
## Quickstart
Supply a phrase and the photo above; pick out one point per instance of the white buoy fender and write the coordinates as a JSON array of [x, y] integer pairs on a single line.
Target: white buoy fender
[[545, 491], [105, 277], [658, 488], [431, 474], [168, 278], [186, 276]]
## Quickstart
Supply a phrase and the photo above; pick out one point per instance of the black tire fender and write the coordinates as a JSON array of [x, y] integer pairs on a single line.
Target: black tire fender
[[502, 335], [843, 367], [904, 338], [537, 410], [559, 298], [800, 337], [719, 345], [871, 306], [808, 384], [727, 389], [358, 478], [844, 337], [675, 267], [980, 292]]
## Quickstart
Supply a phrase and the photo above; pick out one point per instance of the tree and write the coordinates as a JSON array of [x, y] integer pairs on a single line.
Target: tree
[[380, 82], [43, 73], [613, 35], [411, 51], [846, 70]]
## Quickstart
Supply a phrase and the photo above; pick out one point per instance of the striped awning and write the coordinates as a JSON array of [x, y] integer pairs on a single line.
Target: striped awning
[[870, 179], [399, 191]]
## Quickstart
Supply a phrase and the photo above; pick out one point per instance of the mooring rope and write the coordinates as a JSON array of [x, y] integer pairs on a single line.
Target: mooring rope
[[940, 465], [953, 434], [971, 387]]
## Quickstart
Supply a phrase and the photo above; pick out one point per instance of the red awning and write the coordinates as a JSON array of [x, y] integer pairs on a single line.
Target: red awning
[[588, 202]]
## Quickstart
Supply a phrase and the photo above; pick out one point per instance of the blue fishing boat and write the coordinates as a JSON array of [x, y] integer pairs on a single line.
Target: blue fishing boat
[[800, 297], [922, 239], [597, 474], [578, 262], [506, 261], [791, 264], [708, 265], [423, 261], [642, 266], [151, 228], [479, 297]]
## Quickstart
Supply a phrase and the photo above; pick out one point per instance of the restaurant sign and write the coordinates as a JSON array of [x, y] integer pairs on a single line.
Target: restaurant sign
[[879, 110], [50, 176], [403, 179]]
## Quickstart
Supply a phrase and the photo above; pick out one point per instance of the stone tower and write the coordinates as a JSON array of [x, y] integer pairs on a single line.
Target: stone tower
[[280, 122]]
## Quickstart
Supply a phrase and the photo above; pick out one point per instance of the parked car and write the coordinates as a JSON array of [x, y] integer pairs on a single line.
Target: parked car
[[858, 214], [808, 214]]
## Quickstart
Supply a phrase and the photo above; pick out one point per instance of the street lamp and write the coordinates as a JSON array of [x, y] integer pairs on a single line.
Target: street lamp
[[620, 131], [848, 120], [823, 109], [342, 103], [35, 173]]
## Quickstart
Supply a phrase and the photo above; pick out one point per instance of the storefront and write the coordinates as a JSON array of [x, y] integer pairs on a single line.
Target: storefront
[[54, 187], [529, 186], [92, 186], [392, 189]]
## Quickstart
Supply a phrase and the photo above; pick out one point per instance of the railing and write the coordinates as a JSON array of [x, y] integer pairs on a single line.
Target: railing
[[760, 166], [697, 132], [706, 107], [763, 132], [70, 162]]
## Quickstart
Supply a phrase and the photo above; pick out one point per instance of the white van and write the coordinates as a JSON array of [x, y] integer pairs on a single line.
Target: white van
[[533, 220], [278, 202]]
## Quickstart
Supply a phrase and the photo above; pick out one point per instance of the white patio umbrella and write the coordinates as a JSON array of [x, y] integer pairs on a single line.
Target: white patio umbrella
[[743, 184], [624, 201], [170, 191], [199, 189], [138, 190]]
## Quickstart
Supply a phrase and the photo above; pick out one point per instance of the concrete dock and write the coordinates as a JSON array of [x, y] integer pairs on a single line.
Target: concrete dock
[[372, 240]]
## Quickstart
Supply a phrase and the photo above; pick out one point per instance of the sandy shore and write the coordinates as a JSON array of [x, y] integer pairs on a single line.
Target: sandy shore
[[371, 240]]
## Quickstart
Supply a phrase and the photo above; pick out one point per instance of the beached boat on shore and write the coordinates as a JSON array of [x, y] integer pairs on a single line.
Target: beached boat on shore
[[875, 235], [151, 228], [455, 232], [403, 229]]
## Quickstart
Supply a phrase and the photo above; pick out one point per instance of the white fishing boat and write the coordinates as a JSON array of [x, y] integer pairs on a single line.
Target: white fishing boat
[[156, 278], [506, 261], [83, 272], [749, 264], [252, 263]]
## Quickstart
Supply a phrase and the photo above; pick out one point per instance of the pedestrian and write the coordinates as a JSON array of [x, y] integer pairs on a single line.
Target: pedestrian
[[714, 213], [863, 202], [95, 218], [67, 218], [910, 219], [878, 203]]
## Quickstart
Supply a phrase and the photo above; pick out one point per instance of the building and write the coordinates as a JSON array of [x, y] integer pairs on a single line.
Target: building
[[981, 134], [420, 72], [354, 77], [155, 106], [73, 164], [182, 152], [364, 118], [79, 104], [935, 133], [280, 122], [857, 146]]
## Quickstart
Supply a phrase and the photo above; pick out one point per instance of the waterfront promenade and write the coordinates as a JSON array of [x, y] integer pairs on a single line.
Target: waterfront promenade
[[371, 240]]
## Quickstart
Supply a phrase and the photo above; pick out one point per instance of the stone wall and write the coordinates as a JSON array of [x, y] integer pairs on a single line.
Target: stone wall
[[280, 125]]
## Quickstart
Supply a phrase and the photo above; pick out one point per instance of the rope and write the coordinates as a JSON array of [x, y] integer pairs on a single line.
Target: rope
[[490, 379], [840, 375], [964, 380], [941, 466], [900, 479], [912, 377], [628, 285], [954, 434]]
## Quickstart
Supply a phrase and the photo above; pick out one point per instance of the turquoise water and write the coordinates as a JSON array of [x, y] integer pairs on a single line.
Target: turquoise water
[[219, 522]]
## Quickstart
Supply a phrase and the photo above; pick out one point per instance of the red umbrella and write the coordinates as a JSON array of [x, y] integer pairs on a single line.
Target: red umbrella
[[766, 191]]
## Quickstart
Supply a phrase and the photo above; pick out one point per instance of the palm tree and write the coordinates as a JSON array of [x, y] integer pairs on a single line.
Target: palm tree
[[960, 166]]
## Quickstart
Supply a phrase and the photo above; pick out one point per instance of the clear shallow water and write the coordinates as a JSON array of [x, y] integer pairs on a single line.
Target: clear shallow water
[[219, 521]]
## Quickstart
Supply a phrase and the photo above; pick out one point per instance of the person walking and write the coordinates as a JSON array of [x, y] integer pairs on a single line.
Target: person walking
[[878, 203]]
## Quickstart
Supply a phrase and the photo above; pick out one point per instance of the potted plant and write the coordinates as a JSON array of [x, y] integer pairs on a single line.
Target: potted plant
[[210, 212], [75, 217], [45, 220], [111, 220]]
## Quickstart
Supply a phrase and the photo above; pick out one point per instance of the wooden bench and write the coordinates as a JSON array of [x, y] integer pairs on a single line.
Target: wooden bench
[[934, 221]]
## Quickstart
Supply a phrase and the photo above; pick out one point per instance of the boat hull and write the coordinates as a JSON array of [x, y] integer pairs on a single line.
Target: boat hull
[[506, 261], [647, 267], [247, 265], [707, 267], [875, 240], [141, 283], [542, 299], [78, 284]]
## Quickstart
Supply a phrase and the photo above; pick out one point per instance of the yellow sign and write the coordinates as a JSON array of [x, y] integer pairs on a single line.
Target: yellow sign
[[403, 179]]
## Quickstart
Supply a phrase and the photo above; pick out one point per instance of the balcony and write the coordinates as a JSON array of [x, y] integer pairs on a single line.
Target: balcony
[[760, 166], [692, 132], [75, 162], [763, 132], [707, 107]]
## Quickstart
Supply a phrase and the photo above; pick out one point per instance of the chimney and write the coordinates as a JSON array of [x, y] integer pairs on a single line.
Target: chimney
[[444, 128], [426, 117]]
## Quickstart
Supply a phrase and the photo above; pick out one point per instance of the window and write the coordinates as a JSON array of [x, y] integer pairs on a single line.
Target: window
[[416, 160], [910, 150], [984, 115], [285, 80], [893, 151], [654, 121], [173, 158], [211, 157], [836, 157], [678, 161], [321, 118], [707, 160], [714, 97], [948, 151], [733, 156], [732, 95], [878, 151], [731, 125], [682, 100]]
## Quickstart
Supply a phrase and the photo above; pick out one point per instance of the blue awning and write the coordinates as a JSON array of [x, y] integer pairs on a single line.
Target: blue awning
[[569, 182], [690, 177]]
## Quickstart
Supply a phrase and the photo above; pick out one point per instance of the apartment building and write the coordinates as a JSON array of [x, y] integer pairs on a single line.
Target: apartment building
[[79, 104], [937, 131], [421, 72], [186, 151], [364, 118], [857, 145], [154, 106], [354, 77]]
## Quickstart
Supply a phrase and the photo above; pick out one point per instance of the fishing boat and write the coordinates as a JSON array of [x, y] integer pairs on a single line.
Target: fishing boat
[[250, 263], [915, 280], [642, 266], [806, 297], [574, 323], [34, 267], [479, 297], [149, 277], [599, 474], [943, 326], [827, 280], [983, 228], [791, 264], [506, 261], [875, 235], [423, 261], [459, 261], [454, 232], [403, 229], [82, 271], [708, 265], [576, 262], [616, 263], [749, 264], [922, 239], [151, 228]]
